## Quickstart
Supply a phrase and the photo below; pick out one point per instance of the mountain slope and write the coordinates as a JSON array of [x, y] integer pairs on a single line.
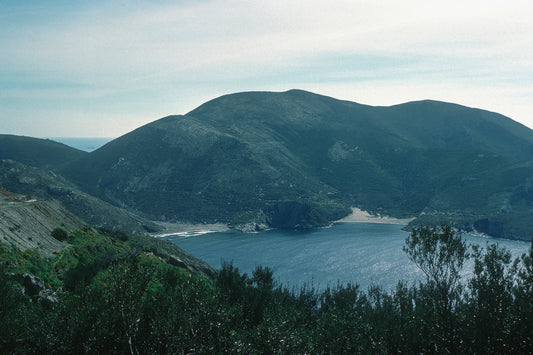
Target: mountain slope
[[44, 184], [298, 160], [27, 223], [36, 152]]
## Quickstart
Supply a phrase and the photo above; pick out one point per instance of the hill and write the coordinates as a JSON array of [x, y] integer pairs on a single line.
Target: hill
[[300, 160], [45, 184], [27, 223], [36, 152]]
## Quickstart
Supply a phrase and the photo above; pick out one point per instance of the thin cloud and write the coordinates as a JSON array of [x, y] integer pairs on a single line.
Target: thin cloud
[[168, 57]]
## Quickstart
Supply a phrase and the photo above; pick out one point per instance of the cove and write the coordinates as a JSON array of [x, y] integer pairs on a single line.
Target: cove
[[362, 253]]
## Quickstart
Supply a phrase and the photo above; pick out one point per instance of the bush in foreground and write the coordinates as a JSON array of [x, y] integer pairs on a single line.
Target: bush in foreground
[[129, 301]]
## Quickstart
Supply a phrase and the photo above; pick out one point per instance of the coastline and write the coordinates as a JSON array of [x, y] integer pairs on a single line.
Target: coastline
[[192, 229], [188, 229], [360, 216]]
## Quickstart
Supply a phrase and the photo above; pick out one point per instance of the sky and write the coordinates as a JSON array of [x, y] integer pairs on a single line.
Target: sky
[[103, 68]]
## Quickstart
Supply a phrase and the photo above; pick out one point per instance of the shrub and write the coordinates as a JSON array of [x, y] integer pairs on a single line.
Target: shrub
[[60, 234]]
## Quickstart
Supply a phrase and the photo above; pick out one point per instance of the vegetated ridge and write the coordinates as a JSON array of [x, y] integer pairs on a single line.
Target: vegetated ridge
[[36, 152], [105, 291], [43, 183], [300, 160]]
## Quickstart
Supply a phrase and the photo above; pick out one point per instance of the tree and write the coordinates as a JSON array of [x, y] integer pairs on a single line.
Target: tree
[[440, 253], [523, 304], [490, 300], [59, 234], [12, 306]]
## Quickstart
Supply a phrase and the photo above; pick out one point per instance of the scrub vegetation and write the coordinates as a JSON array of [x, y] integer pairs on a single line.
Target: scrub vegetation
[[246, 159], [110, 293], [243, 158]]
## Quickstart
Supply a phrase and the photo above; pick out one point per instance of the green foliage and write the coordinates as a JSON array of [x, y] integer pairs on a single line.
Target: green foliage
[[15, 228], [491, 299], [114, 234], [13, 305], [133, 302], [303, 159], [82, 274], [36, 152], [60, 234], [303, 214], [440, 254]]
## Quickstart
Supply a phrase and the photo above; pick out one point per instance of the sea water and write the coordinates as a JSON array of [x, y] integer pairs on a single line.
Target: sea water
[[83, 143], [359, 253]]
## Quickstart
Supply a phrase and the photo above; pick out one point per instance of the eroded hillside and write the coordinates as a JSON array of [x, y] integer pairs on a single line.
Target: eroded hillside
[[27, 223]]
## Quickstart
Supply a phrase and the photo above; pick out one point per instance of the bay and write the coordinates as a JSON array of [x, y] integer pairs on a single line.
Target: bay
[[363, 253]]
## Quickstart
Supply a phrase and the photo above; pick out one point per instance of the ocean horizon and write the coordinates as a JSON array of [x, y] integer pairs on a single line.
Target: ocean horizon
[[87, 144]]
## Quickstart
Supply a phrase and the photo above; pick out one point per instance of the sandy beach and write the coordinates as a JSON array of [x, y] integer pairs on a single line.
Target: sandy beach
[[360, 216], [188, 229]]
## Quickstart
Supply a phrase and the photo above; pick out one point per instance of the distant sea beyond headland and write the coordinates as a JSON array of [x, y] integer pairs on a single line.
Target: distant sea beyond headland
[[87, 144]]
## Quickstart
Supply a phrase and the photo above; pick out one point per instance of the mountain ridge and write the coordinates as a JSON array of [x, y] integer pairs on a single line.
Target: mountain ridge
[[45, 184], [36, 151], [294, 160], [246, 157]]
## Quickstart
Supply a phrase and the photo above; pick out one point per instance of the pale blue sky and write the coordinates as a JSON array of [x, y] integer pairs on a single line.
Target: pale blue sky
[[104, 68]]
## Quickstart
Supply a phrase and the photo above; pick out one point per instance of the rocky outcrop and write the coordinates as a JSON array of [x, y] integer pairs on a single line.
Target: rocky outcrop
[[33, 286], [174, 255], [258, 223], [45, 184], [27, 223]]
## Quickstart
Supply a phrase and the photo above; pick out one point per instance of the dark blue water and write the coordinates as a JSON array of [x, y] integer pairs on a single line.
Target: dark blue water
[[360, 253], [86, 144]]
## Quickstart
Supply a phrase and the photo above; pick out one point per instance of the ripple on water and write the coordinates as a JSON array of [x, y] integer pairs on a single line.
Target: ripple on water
[[346, 252]]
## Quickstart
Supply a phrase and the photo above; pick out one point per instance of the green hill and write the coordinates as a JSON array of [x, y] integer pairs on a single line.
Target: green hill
[[45, 184], [36, 152], [299, 160]]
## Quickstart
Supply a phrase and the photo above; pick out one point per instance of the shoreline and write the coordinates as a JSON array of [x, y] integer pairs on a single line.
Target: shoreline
[[188, 229], [192, 229], [360, 216]]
